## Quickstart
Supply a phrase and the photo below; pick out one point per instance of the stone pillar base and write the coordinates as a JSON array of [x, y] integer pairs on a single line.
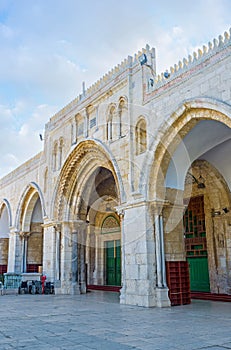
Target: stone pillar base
[[134, 298], [122, 296], [162, 299], [83, 288], [75, 289]]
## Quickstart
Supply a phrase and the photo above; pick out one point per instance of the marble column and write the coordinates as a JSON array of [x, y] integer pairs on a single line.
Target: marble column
[[14, 251], [162, 299], [49, 250]]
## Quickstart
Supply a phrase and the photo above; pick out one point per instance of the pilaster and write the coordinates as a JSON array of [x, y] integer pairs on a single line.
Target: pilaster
[[14, 255], [49, 250], [138, 257]]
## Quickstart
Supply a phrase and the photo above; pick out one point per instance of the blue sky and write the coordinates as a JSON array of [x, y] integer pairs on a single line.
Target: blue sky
[[49, 47]]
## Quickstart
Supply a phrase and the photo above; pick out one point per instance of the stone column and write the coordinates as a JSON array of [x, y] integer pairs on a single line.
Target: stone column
[[138, 256], [49, 250], [57, 252], [14, 251], [82, 256], [123, 270], [162, 299], [66, 257], [24, 240], [75, 285]]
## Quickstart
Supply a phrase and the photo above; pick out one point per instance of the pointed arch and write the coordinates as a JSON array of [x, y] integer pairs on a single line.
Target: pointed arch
[[170, 134], [26, 204], [110, 132], [6, 203], [122, 116], [84, 159], [141, 135]]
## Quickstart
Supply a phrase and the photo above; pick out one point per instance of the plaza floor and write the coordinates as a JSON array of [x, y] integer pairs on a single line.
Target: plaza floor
[[97, 321]]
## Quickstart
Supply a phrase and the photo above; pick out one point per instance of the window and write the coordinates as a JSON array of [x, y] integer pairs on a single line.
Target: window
[[141, 137], [110, 129], [54, 157]]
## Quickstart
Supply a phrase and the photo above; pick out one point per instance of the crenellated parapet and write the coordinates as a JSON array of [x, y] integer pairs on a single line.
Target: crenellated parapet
[[199, 56], [131, 64], [128, 63]]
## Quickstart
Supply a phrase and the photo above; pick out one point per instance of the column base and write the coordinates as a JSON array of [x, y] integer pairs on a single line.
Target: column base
[[82, 287], [162, 298], [75, 289]]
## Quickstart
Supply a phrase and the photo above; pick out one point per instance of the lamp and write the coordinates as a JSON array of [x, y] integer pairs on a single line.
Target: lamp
[[108, 208], [200, 181], [143, 59]]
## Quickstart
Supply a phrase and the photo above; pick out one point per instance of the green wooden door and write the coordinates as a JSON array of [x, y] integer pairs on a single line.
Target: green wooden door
[[199, 274], [118, 264], [113, 263], [196, 245]]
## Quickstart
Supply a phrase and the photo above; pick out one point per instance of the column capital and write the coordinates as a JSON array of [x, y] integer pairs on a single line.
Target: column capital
[[75, 225], [24, 234], [158, 205], [78, 224]]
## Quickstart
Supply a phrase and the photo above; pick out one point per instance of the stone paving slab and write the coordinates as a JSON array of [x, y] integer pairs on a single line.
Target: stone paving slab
[[97, 321]]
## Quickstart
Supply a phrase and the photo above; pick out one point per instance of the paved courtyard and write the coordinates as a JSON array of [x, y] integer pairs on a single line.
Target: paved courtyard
[[98, 321]]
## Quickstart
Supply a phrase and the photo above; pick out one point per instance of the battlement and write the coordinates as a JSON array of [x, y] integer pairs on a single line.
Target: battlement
[[129, 62], [159, 80], [196, 58]]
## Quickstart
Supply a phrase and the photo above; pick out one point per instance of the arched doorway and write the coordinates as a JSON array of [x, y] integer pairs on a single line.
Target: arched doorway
[[34, 253], [88, 191], [103, 234], [196, 145], [5, 222], [110, 236], [30, 225], [206, 228]]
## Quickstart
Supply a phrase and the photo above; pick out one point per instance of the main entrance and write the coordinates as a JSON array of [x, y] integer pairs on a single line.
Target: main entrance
[[196, 246], [113, 262]]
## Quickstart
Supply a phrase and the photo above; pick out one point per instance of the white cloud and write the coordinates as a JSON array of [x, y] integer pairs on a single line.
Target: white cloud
[[16, 146], [48, 49], [6, 32]]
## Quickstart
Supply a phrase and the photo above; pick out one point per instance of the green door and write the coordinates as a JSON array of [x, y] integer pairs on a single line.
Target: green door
[[199, 274], [118, 263], [113, 263], [196, 245]]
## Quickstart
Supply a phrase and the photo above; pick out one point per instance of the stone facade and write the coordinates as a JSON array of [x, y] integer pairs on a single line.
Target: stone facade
[[132, 149]]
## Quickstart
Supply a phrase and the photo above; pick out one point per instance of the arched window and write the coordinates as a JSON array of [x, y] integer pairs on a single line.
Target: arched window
[[110, 225], [54, 156], [73, 133], [45, 179], [61, 143], [141, 136], [110, 131], [122, 118], [79, 125]]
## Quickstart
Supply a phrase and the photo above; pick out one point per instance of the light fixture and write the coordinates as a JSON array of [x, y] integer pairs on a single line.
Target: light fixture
[[215, 213], [151, 81], [143, 59], [200, 181], [219, 212], [166, 74], [108, 208]]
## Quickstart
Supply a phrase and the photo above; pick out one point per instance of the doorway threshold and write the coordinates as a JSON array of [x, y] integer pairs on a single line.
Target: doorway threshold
[[211, 296], [104, 288]]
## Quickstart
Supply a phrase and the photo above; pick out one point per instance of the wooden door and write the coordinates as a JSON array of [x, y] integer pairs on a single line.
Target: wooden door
[[196, 246], [113, 262]]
